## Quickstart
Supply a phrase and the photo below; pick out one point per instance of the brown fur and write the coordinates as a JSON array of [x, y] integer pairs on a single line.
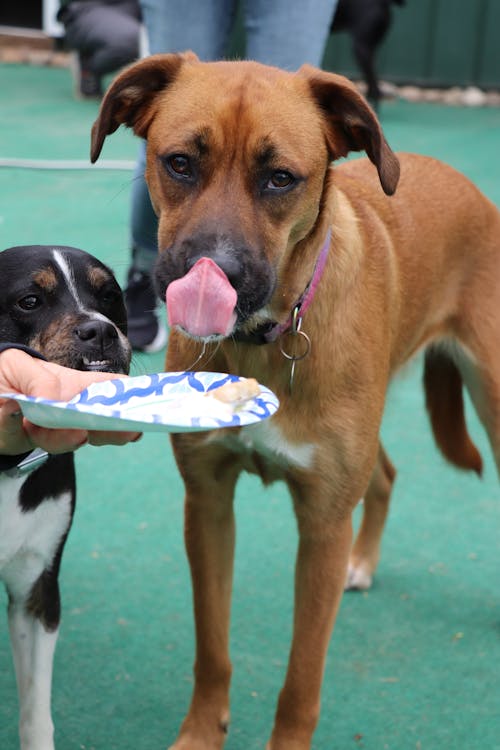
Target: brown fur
[[46, 278], [403, 272], [96, 276], [445, 404]]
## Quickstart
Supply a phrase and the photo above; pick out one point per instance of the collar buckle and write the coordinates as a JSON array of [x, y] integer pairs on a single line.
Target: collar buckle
[[28, 464]]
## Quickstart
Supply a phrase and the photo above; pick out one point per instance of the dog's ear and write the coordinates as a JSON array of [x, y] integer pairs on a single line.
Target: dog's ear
[[129, 99], [351, 123]]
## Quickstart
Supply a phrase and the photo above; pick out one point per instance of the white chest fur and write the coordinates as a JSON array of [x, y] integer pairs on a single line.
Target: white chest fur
[[28, 540], [266, 439]]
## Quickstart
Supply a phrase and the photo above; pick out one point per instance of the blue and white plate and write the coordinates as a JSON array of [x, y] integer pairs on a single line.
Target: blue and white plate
[[163, 402]]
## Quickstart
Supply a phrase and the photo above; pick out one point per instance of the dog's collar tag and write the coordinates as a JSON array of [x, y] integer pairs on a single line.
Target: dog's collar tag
[[292, 328], [295, 332]]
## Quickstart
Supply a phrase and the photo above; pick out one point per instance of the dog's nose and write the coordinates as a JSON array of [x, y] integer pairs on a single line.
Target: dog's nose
[[226, 251], [99, 332], [228, 264]]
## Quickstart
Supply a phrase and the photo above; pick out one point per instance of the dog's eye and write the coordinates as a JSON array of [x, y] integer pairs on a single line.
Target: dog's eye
[[110, 297], [179, 165], [280, 180], [30, 302]]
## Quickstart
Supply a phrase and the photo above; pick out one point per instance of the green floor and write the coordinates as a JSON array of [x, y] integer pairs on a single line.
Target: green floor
[[414, 664]]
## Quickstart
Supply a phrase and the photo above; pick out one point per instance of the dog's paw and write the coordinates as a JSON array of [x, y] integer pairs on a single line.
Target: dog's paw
[[195, 744], [358, 578], [201, 741]]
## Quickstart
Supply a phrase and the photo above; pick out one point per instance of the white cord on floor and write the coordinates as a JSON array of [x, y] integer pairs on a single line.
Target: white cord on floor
[[118, 164]]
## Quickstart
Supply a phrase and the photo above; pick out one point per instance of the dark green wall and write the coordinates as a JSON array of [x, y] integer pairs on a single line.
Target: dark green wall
[[434, 43]]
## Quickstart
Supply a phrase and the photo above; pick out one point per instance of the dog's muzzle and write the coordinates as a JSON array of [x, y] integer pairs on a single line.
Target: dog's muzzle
[[100, 346], [212, 295]]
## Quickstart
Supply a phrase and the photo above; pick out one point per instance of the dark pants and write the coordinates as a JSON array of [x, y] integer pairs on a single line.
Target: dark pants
[[105, 34]]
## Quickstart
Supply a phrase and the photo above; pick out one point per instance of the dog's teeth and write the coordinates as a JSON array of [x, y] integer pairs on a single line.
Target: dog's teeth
[[95, 362]]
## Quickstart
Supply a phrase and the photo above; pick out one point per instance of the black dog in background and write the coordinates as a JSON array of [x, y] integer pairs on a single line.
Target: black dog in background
[[368, 22], [66, 305]]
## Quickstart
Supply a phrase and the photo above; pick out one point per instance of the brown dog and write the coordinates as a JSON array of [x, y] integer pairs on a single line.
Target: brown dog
[[239, 169]]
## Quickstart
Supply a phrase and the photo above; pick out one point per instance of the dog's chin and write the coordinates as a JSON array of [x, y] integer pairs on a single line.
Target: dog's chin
[[254, 323], [212, 338]]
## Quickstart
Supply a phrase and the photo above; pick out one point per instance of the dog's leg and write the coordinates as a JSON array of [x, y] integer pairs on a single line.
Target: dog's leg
[[325, 536], [33, 651], [34, 615], [366, 550], [209, 538]]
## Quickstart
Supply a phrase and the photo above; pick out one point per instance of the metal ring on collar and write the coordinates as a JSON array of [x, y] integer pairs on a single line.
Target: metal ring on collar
[[305, 339]]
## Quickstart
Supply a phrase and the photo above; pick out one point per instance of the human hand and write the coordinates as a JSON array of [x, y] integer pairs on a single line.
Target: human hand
[[21, 373]]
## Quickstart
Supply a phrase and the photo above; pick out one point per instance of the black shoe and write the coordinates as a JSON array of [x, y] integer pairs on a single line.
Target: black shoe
[[146, 332], [87, 84]]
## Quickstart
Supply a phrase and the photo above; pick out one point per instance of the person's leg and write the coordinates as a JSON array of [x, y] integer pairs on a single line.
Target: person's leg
[[202, 26], [287, 33], [146, 332]]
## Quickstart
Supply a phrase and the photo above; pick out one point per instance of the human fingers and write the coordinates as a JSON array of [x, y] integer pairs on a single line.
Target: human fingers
[[64, 440], [24, 374], [98, 437], [71, 382], [13, 439], [54, 440]]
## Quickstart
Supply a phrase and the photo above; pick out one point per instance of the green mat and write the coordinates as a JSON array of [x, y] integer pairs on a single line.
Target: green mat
[[414, 663]]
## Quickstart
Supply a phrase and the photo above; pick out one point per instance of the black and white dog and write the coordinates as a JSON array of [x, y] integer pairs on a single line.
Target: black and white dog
[[66, 305]]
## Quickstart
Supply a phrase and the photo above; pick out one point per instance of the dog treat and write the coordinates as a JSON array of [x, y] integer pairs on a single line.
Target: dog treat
[[203, 301], [221, 403], [236, 393]]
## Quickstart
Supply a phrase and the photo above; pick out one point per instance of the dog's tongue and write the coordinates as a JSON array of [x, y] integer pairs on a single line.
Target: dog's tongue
[[203, 301]]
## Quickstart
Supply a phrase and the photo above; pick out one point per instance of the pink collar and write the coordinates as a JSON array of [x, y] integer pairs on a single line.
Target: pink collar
[[306, 298]]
